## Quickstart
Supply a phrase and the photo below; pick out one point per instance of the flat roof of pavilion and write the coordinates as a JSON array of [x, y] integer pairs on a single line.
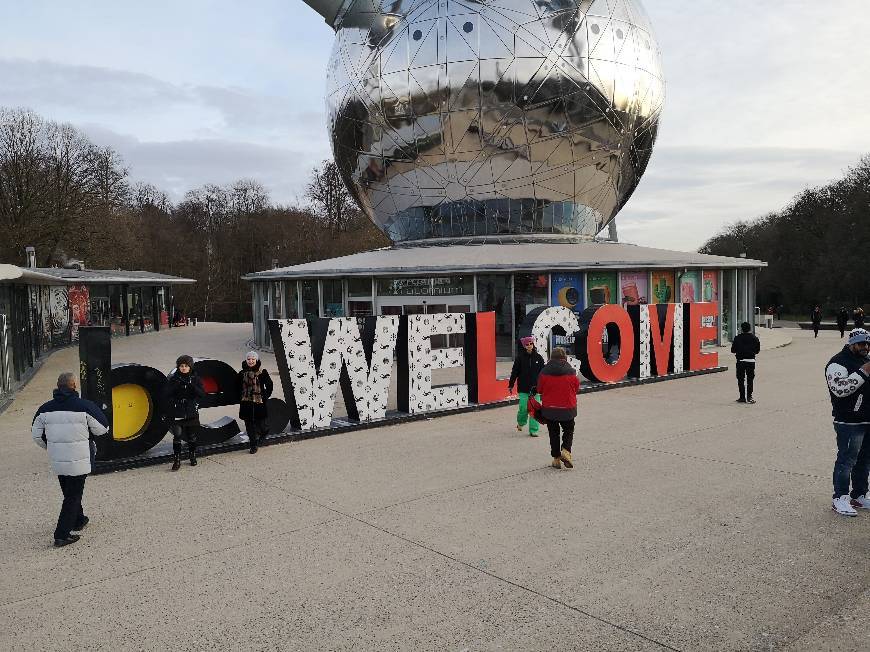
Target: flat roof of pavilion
[[116, 276], [508, 257]]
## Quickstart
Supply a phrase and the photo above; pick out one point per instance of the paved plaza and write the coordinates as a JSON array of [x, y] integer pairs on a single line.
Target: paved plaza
[[689, 523]]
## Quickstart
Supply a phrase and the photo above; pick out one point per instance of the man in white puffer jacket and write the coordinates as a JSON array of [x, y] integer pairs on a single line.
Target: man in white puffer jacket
[[65, 426]]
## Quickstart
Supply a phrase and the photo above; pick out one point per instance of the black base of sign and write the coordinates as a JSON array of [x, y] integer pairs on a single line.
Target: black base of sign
[[162, 453]]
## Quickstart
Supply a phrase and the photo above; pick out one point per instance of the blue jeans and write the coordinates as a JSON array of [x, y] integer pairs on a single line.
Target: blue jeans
[[853, 459]]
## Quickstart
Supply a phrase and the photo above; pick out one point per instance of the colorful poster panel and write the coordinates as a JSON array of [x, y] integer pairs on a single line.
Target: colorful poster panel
[[602, 288], [80, 305], [567, 290], [633, 288], [711, 285], [690, 286], [710, 292], [663, 287]]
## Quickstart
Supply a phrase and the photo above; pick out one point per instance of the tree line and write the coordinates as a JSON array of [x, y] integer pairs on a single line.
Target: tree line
[[72, 199], [814, 247]]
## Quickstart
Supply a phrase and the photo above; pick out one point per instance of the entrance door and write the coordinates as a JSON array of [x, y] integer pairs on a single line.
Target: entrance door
[[423, 305]]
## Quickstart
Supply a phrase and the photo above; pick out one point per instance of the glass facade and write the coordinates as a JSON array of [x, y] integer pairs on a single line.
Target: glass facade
[[291, 299], [333, 298], [530, 291], [310, 299], [148, 309], [494, 294], [512, 296]]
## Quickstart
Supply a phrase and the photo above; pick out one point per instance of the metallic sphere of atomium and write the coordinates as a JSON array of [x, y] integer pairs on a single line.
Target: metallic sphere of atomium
[[475, 118]]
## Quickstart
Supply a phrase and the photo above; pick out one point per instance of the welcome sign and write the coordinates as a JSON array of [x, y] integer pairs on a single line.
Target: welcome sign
[[318, 357]]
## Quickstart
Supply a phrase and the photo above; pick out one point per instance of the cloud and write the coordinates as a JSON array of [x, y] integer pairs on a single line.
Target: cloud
[[153, 109], [689, 193], [178, 166]]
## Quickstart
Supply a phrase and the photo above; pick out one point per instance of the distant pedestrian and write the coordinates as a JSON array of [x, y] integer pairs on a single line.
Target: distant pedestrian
[[847, 374], [613, 339], [858, 316], [255, 388], [65, 426], [527, 367], [745, 347], [558, 385], [816, 318], [842, 320], [182, 393]]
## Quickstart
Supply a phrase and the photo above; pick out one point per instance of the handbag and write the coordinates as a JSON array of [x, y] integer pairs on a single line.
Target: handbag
[[534, 409]]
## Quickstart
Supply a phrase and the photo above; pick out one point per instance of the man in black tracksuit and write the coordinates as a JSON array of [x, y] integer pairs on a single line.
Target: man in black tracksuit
[[842, 320], [182, 393], [847, 374], [745, 347]]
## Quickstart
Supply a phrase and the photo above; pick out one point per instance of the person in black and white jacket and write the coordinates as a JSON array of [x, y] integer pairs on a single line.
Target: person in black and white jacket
[[745, 347], [65, 426], [847, 374]]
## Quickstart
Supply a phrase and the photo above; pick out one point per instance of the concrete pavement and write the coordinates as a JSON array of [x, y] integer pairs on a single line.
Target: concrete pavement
[[690, 523]]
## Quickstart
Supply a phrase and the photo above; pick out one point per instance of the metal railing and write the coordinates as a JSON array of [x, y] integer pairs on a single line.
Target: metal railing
[[5, 357]]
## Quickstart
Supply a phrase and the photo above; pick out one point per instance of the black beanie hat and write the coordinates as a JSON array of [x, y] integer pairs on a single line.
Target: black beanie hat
[[184, 359]]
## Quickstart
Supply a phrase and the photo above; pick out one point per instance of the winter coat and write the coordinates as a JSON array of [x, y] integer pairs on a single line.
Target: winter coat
[[847, 386], [842, 318], [558, 386], [65, 426], [248, 410], [182, 393], [525, 371], [745, 346], [816, 317]]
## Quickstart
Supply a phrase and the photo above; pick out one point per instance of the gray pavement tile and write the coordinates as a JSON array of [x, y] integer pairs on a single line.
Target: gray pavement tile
[[675, 524], [139, 519], [806, 446], [844, 630], [339, 586], [701, 555], [373, 468]]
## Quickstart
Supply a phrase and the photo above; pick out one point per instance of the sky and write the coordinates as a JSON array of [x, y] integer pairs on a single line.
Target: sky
[[764, 99]]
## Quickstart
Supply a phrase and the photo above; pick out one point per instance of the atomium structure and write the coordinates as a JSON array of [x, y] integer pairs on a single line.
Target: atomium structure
[[492, 118]]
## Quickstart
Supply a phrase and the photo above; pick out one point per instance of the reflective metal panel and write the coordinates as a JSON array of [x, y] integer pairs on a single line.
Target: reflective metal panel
[[474, 118]]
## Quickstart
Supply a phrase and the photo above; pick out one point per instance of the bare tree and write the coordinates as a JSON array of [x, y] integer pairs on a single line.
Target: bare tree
[[329, 196], [110, 179]]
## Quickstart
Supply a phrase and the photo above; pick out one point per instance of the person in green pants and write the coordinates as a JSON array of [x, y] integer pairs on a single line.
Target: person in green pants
[[527, 367]]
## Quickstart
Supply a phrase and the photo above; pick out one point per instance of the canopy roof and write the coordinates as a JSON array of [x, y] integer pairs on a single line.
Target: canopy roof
[[504, 258]]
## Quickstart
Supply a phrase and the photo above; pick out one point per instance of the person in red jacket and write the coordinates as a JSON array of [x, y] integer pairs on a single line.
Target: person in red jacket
[[558, 386]]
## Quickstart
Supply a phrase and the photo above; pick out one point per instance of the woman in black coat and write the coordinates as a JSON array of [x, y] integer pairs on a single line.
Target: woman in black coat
[[255, 388], [182, 393]]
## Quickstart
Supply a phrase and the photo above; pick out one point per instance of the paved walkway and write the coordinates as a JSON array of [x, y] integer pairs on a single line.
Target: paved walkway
[[690, 523]]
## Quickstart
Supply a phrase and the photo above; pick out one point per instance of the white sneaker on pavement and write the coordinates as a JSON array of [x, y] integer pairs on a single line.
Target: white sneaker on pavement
[[842, 505], [861, 502]]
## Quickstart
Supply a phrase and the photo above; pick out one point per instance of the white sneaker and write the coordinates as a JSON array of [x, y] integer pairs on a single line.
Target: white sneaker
[[861, 502], [842, 506]]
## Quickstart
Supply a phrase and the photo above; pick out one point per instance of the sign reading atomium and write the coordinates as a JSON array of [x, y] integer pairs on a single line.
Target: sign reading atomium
[[464, 118]]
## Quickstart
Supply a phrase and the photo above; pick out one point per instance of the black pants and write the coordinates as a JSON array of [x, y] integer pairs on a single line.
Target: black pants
[[842, 330], [567, 436], [816, 329], [72, 516], [184, 430], [745, 370], [256, 429]]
